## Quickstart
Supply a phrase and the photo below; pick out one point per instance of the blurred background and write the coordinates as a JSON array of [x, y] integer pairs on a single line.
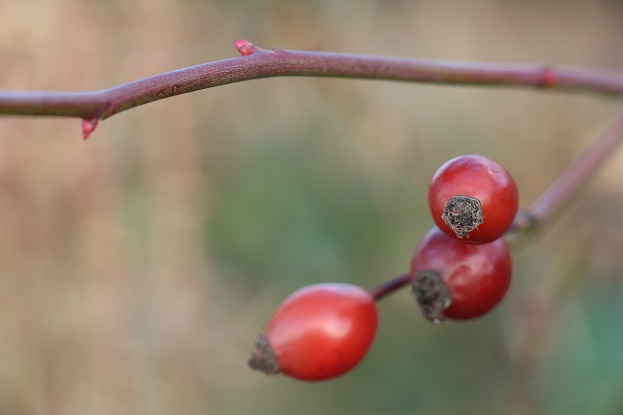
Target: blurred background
[[137, 268]]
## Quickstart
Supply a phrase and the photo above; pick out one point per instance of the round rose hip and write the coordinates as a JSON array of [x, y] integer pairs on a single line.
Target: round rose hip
[[318, 332], [473, 198], [459, 281]]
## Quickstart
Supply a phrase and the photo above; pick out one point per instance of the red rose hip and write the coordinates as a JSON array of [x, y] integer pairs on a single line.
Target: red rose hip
[[318, 332], [473, 198], [459, 281]]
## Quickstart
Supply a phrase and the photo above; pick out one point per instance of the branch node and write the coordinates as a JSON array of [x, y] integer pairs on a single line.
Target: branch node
[[549, 78]]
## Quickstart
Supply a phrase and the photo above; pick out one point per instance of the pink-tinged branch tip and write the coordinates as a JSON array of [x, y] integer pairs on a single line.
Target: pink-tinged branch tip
[[88, 126], [245, 47]]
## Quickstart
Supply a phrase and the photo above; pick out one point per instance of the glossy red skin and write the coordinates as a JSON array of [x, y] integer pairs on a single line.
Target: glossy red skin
[[323, 330], [484, 179], [478, 275]]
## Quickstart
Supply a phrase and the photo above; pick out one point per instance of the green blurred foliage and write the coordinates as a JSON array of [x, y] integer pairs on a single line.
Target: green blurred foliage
[[139, 267]]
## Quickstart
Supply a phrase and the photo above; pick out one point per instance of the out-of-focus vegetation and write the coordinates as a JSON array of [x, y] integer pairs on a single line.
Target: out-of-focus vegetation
[[137, 268]]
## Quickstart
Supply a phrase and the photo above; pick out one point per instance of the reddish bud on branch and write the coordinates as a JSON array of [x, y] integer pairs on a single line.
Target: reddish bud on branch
[[245, 47]]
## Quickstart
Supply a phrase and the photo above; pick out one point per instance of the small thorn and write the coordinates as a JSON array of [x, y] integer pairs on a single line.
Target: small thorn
[[88, 126], [245, 47]]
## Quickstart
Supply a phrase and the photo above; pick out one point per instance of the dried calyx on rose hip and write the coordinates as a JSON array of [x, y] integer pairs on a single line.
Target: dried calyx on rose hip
[[459, 281], [318, 332], [473, 198]]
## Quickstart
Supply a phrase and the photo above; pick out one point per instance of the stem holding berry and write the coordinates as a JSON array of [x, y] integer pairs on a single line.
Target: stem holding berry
[[390, 286]]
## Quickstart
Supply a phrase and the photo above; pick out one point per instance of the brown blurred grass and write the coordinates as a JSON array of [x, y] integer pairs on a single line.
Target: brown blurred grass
[[137, 268]]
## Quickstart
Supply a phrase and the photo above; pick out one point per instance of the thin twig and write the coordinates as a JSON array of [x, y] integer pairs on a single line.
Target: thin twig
[[569, 183], [261, 63]]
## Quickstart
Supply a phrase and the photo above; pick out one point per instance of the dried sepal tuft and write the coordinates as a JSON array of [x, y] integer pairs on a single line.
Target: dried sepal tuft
[[264, 358], [463, 214], [432, 295]]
